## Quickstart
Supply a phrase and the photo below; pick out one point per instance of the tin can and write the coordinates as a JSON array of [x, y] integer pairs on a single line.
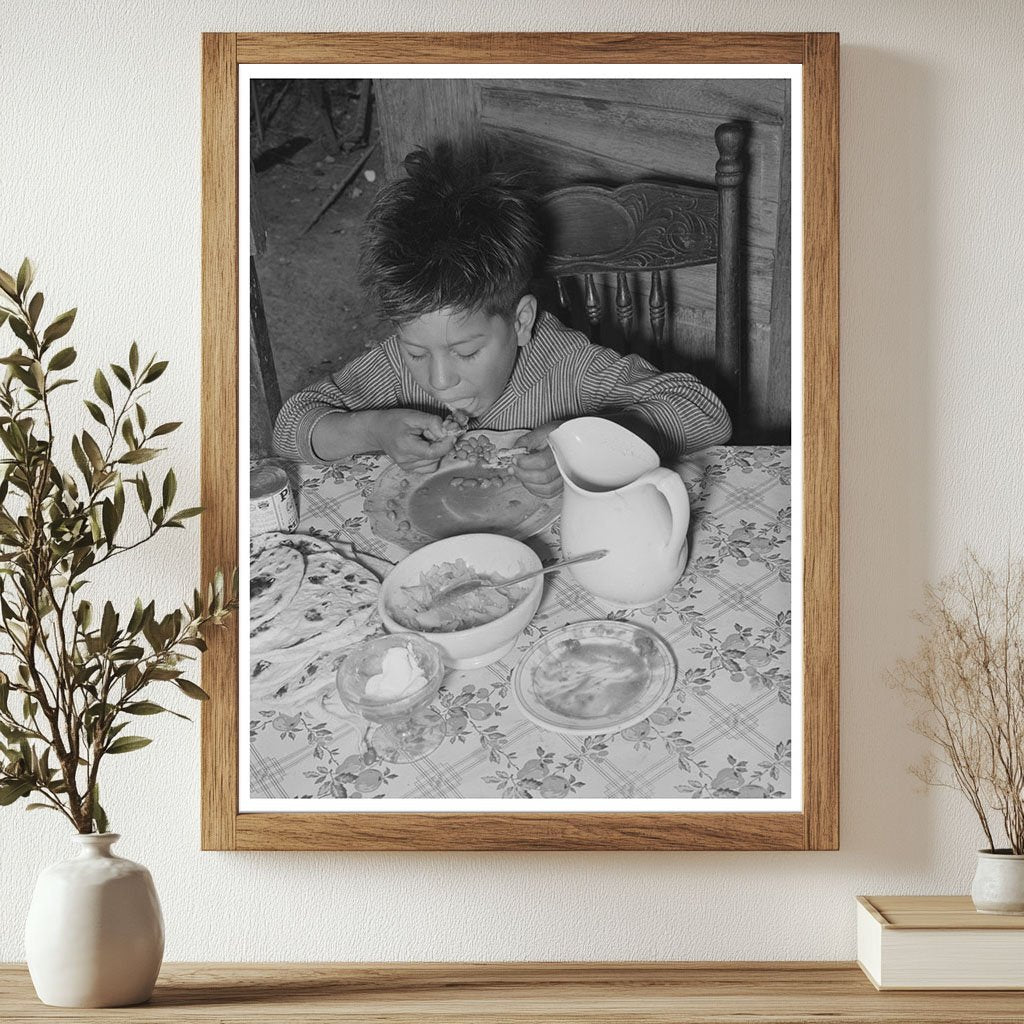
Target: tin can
[[271, 504]]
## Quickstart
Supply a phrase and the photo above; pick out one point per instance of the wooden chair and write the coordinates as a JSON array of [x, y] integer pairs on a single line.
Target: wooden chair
[[595, 232]]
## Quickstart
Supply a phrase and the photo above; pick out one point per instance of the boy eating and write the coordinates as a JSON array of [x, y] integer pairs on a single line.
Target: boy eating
[[448, 253]]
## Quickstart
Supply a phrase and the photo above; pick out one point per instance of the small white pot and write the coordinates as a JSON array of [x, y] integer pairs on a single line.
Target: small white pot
[[95, 933], [999, 882]]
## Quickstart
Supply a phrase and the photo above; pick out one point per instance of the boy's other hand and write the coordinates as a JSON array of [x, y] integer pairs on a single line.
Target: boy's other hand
[[537, 469], [414, 440]]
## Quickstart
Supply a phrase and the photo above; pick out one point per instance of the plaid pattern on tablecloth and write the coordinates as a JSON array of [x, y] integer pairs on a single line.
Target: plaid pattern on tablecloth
[[724, 732]]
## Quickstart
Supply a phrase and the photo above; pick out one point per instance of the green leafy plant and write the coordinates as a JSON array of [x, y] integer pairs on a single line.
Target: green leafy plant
[[80, 672]]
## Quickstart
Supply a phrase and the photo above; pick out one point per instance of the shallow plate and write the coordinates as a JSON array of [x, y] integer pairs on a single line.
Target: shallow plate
[[594, 677], [413, 509]]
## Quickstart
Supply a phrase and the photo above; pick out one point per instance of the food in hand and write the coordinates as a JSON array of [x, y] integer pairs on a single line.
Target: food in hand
[[413, 606], [455, 423], [482, 451]]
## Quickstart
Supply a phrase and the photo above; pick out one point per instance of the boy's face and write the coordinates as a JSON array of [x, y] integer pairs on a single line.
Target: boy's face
[[466, 359]]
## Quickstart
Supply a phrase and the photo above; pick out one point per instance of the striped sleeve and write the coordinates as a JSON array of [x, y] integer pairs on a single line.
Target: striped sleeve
[[686, 415], [369, 382]]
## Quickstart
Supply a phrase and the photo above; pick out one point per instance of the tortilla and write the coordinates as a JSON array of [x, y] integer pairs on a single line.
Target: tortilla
[[276, 569], [334, 607]]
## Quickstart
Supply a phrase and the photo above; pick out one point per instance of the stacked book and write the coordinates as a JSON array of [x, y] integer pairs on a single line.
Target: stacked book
[[938, 942]]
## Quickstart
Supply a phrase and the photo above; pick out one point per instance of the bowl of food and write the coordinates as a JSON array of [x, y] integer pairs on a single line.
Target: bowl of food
[[473, 628]]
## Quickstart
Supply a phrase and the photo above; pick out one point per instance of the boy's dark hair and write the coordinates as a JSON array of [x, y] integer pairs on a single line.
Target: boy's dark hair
[[456, 232]]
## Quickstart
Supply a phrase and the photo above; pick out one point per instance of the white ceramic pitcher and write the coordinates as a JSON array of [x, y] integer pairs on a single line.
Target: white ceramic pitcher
[[618, 497]]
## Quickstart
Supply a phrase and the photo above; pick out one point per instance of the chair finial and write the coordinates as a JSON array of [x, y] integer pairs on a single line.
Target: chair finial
[[729, 140]]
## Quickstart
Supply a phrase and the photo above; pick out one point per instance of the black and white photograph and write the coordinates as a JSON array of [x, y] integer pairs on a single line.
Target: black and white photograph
[[522, 439]]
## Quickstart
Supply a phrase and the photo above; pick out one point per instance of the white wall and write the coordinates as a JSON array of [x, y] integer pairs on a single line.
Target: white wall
[[100, 183]]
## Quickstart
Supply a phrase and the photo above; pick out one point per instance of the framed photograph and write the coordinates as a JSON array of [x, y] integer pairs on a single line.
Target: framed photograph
[[473, 305]]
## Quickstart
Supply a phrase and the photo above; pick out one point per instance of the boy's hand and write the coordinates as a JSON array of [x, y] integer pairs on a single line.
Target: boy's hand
[[537, 469], [414, 440]]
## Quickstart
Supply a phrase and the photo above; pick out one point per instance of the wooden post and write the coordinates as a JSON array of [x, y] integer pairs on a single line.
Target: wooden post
[[264, 391], [728, 177]]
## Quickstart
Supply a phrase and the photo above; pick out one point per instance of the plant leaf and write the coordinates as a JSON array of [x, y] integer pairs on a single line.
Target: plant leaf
[[102, 388], [80, 458], [128, 433], [60, 326], [92, 449], [84, 614], [20, 328], [154, 371], [35, 308], [99, 816], [147, 707], [14, 790], [143, 707], [7, 283], [109, 518], [165, 428], [133, 358], [185, 513], [191, 690], [138, 455], [121, 374], [95, 412], [145, 498], [108, 624], [170, 488], [125, 744], [63, 359], [26, 273]]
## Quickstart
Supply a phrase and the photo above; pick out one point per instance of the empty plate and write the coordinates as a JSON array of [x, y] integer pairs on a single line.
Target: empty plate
[[594, 677]]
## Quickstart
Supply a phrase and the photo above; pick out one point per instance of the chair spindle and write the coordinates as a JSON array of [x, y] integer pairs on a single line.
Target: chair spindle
[[592, 303], [658, 306], [563, 295], [624, 307]]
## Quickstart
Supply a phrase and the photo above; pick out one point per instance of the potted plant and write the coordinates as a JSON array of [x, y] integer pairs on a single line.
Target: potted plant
[[967, 682], [80, 671]]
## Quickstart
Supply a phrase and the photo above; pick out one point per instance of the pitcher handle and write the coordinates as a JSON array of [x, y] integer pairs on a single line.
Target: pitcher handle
[[674, 492]]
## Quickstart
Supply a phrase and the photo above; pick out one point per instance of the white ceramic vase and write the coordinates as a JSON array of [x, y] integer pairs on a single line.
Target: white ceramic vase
[[998, 886], [95, 933]]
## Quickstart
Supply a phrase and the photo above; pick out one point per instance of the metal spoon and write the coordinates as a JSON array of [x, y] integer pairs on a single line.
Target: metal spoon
[[466, 586]]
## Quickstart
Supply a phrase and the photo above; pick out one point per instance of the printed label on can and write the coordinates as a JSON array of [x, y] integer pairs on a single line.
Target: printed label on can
[[273, 509]]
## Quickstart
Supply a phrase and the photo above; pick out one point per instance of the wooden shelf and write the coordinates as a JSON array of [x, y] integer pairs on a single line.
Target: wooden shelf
[[631, 993]]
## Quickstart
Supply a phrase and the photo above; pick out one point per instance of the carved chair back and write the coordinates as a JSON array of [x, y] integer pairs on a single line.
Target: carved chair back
[[598, 236]]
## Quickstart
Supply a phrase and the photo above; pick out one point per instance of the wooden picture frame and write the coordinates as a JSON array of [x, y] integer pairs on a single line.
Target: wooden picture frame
[[816, 825]]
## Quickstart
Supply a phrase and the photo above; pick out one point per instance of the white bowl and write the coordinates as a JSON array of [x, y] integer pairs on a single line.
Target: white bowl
[[486, 553]]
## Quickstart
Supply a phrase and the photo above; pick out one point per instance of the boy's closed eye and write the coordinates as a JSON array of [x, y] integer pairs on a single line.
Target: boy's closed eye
[[417, 357]]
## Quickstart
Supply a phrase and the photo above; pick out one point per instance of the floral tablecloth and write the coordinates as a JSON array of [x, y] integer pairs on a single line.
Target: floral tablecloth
[[724, 732]]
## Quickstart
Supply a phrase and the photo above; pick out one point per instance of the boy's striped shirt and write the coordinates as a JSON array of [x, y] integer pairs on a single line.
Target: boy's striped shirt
[[558, 375]]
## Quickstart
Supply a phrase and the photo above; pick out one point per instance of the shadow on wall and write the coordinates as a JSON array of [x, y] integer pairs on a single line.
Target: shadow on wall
[[888, 273]]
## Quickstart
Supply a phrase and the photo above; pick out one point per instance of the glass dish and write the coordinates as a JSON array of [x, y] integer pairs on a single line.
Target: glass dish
[[407, 728]]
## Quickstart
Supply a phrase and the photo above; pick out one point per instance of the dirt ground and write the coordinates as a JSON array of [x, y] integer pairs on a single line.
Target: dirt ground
[[316, 314]]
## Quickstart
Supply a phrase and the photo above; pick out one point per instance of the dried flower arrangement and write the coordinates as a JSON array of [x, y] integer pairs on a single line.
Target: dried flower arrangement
[[967, 682]]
